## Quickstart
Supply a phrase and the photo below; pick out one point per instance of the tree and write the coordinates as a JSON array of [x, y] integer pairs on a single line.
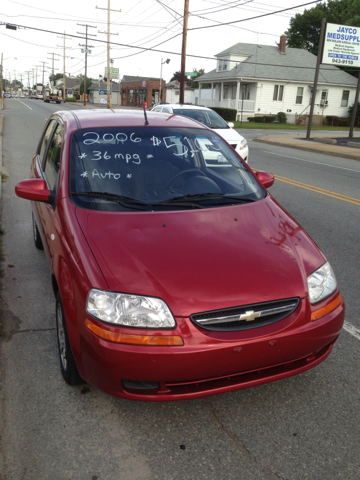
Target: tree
[[88, 85], [176, 76], [357, 116], [192, 80], [304, 31], [55, 77]]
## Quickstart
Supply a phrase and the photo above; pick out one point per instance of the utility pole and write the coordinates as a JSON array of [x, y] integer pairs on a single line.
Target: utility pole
[[64, 74], [1, 76], [183, 52], [43, 75], [108, 51], [86, 53], [53, 59]]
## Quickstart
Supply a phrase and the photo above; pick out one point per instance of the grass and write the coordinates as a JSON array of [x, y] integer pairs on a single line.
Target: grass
[[4, 177], [286, 126]]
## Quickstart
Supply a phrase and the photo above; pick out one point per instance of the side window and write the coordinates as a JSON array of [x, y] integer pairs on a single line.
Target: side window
[[45, 140], [52, 164], [166, 110]]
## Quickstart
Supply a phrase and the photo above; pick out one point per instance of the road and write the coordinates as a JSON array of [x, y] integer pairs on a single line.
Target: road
[[304, 427]]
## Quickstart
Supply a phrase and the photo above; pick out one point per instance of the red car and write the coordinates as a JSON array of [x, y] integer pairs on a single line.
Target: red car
[[176, 274]]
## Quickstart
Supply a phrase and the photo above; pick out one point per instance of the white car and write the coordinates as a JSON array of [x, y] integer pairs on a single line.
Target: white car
[[212, 120]]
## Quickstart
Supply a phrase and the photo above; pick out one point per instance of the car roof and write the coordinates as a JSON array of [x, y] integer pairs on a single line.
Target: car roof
[[186, 106], [125, 118]]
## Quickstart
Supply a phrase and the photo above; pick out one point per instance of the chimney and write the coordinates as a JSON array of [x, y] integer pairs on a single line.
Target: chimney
[[282, 44]]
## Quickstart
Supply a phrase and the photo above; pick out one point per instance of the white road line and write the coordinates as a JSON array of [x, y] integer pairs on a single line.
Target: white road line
[[25, 104], [310, 161], [355, 332]]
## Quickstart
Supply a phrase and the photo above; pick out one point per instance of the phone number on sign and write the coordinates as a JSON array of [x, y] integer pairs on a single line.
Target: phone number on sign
[[347, 62]]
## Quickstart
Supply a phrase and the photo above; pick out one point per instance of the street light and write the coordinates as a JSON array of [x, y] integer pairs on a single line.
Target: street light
[[166, 61], [1, 72]]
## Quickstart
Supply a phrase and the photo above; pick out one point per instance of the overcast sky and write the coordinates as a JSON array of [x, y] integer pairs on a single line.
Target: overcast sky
[[143, 23]]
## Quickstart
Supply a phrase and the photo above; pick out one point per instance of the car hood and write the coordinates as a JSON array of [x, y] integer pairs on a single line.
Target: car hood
[[229, 134], [208, 259]]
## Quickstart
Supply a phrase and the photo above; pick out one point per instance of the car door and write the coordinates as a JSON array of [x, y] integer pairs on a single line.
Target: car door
[[50, 168]]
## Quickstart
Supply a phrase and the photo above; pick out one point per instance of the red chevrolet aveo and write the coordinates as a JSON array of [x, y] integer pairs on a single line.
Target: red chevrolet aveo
[[176, 274]]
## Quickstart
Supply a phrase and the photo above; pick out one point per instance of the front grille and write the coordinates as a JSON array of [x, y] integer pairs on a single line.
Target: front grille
[[246, 316]]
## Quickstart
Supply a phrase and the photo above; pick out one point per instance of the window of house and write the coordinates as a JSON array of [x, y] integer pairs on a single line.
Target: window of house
[[233, 92], [345, 98], [299, 95], [177, 92], [226, 91], [324, 95], [131, 96], [279, 92]]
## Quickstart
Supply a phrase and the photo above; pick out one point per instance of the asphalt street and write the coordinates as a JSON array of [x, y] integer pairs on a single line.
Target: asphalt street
[[302, 428]]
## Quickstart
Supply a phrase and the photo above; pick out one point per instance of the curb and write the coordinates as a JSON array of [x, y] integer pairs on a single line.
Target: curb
[[351, 156]]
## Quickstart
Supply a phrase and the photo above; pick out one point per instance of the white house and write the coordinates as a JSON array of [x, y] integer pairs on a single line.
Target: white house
[[264, 79], [173, 93]]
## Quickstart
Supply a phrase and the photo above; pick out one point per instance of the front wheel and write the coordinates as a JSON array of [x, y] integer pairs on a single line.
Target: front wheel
[[68, 366]]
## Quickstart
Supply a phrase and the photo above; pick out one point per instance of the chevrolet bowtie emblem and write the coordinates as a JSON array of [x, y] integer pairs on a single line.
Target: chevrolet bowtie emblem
[[250, 315]]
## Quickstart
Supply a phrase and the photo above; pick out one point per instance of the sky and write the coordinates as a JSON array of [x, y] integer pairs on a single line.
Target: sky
[[150, 24]]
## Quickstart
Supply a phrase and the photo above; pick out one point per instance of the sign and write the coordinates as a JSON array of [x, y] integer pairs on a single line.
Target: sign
[[143, 83], [114, 72], [102, 92], [341, 45], [191, 74]]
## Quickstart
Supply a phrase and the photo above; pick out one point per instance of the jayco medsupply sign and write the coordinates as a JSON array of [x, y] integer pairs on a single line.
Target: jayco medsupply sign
[[342, 45]]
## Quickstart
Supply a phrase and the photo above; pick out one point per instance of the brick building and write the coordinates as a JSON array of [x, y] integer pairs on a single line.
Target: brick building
[[135, 90]]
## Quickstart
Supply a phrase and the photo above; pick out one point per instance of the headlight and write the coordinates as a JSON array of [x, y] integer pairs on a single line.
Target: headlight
[[321, 283], [129, 310], [243, 144]]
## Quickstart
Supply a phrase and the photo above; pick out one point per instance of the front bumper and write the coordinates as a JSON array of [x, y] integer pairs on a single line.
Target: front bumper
[[209, 362]]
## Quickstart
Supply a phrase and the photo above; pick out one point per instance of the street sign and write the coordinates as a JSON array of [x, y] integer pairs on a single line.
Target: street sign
[[114, 72], [191, 74], [341, 45]]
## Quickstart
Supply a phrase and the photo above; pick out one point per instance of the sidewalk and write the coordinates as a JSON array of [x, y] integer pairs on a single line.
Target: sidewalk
[[298, 141]]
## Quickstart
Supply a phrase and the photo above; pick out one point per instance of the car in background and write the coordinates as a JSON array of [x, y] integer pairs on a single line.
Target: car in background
[[40, 96], [212, 120], [6, 95], [173, 279], [33, 95]]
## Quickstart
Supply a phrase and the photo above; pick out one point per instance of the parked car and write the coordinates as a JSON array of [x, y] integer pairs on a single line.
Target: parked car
[[40, 96], [6, 95], [212, 120], [173, 278]]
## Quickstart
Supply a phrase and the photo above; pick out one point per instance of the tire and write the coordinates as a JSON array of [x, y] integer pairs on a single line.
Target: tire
[[68, 366], [37, 239]]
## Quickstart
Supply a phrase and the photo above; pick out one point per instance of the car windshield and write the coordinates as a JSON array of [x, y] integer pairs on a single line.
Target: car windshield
[[152, 168], [207, 117]]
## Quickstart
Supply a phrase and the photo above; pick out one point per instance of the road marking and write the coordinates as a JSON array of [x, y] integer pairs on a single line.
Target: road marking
[[328, 193], [25, 104], [355, 332], [310, 161]]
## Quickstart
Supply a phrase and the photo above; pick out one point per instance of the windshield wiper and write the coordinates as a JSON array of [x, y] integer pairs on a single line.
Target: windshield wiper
[[112, 197], [203, 196]]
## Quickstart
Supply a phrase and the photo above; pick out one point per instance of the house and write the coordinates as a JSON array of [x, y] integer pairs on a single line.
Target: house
[[173, 92], [135, 90], [265, 79], [98, 93], [72, 85]]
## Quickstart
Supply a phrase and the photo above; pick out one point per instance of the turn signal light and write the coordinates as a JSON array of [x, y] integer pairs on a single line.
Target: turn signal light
[[325, 310], [152, 340]]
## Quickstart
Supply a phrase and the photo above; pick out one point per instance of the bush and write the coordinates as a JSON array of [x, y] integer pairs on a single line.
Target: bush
[[228, 114], [281, 117], [335, 121], [262, 119], [72, 99]]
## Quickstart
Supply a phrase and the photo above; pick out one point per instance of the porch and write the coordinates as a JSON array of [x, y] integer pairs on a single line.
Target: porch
[[239, 96]]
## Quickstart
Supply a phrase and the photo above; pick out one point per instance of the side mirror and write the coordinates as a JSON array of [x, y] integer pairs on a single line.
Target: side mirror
[[231, 125], [265, 178], [33, 189]]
